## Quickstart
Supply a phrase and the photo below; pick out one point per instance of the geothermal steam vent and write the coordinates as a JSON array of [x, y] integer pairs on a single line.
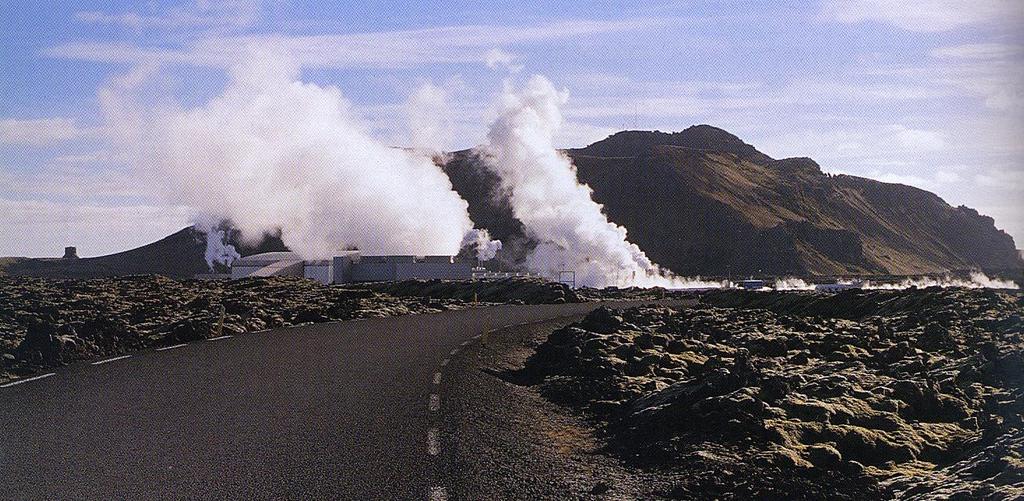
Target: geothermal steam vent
[[352, 267]]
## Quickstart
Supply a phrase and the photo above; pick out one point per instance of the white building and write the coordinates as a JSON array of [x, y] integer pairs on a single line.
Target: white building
[[352, 267]]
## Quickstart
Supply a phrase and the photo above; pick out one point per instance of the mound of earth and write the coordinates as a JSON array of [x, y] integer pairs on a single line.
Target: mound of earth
[[912, 394], [46, 323], [511, 290]]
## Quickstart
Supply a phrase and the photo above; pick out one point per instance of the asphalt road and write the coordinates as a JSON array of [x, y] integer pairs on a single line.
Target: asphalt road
[[330, 411]]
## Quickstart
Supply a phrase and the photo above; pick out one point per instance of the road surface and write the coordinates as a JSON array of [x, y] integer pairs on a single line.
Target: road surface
[[330, 411]]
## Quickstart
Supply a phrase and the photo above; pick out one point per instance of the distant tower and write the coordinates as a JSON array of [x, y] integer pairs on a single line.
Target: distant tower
[[70, 253]]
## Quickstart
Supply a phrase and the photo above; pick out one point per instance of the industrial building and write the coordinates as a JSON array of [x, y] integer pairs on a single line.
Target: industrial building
[[352, 267]]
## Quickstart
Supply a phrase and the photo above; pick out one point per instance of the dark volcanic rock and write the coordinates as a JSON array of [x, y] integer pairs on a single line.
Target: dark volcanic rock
[[916, 394], [45, 323], [713, 205], [510, 290]]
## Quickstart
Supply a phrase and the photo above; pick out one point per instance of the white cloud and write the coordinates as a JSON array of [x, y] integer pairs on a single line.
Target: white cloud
[[68, 181], [907, 179], [1001, 178], [203, 14], [917, 139], [923, 15], [43, 228], [499, 59], [388, 49], [978, 51], [41, 131], [947, 177], [580, 134]]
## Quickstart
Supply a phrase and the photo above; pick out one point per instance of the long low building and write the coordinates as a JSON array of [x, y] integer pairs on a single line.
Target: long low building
[[352, 267]]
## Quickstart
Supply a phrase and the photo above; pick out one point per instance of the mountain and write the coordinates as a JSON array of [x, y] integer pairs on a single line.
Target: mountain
[[703, 202], [179, 255], [698, 202]]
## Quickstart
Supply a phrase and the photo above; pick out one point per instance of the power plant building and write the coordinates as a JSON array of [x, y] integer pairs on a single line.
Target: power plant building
[[352, 267]]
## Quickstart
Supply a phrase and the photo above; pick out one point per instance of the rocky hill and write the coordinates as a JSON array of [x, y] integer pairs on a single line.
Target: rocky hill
[[698, 202], [180, 255], [703, 202]]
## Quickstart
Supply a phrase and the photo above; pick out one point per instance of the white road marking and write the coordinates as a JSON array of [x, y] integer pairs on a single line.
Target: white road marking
[[435, 402], [437, 378], [438, 494], [107, 361], [172, 347], [35, 378], [465, 343], [455, 351], [445, 362], [432, 447], [218, 338]]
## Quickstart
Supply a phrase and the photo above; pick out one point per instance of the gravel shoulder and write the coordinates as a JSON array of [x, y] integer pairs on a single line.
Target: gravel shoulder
[[505, 441]]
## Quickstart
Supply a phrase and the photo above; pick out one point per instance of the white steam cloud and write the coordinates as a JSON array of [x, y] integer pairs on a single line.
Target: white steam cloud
[[486, 248], [272, 152], [218, 250], [792, 284], [429, 117], [557, 211], [977, 281]]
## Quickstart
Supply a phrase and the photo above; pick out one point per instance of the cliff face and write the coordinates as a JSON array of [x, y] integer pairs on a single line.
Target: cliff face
[[702, 201]]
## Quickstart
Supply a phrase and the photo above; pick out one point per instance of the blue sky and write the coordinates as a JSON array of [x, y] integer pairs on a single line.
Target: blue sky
[[931, 96]]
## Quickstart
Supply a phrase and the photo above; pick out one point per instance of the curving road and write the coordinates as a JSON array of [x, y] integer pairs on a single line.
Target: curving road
[[329, 411]]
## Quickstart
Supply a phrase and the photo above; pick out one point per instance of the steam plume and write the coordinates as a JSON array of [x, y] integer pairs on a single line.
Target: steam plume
[[977, 281], [218, 250], [429, 117], [274, 152], [556, 210], [486, 248]]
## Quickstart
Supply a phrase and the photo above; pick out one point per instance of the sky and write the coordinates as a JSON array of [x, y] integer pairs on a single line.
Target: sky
[[931, 96]]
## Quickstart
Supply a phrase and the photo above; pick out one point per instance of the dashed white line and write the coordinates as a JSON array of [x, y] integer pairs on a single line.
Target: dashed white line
[[466, 342], [174, 346], [435, 402], [432, 447], [218, 338], [114, 359], [445, 362], [438, 494], [455, 351], [34, 378], [437, 378]]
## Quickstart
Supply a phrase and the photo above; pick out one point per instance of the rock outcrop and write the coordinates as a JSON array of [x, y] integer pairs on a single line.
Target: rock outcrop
[[916, 394], [703, 202]]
